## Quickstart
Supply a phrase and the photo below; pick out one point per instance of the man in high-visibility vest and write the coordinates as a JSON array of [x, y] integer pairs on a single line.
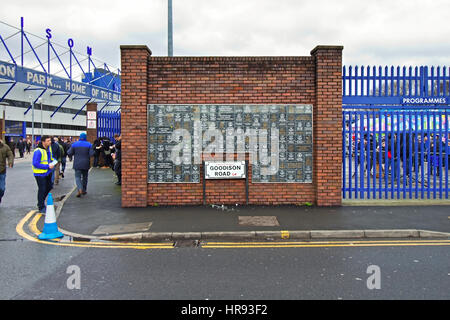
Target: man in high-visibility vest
[[42, 170]]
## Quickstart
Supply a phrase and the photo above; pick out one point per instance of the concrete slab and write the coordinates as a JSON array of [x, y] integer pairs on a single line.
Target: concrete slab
[[338, 234], [391, 233], [259, 221], [122, 228]]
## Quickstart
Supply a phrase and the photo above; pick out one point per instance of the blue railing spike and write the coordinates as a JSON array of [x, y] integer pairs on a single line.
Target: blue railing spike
[[395, 152], [391, 85]]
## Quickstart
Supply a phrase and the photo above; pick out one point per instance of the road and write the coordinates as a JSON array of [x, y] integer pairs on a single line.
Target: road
[[31, 270]]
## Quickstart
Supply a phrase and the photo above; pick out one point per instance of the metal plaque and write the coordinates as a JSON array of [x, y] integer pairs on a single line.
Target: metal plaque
[[238, 125]]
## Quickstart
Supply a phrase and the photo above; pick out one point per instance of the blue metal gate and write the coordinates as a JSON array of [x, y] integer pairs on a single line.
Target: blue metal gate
[[396, 137], [108, 124]]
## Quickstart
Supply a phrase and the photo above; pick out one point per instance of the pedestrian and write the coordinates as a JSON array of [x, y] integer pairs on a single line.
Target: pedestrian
[[12, 146], [43, 164], [56, 151], [393, 148], [28, 146], [406, 154], [21, 147], [107, 146], [437, 159], [82, 151], [65, 147], [118, 159], [68, 144], [61, 156], [5, 153], [97, 150]]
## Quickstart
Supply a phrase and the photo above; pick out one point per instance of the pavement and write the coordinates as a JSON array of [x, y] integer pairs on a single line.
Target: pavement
[[99, 215]]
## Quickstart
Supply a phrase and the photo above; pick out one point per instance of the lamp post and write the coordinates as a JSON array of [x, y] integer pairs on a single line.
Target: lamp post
[[170, 29], [32, 122], [40, 101], [2, 135]]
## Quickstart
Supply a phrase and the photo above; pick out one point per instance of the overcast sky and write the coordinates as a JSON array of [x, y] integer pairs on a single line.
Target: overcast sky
[[377, 32]]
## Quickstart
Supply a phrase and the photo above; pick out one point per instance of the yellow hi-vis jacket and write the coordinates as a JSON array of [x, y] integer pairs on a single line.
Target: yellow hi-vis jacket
[[43, 161]]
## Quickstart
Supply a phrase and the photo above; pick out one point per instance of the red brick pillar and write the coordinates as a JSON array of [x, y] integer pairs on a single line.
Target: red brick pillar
[[91, 131], [134, 73], [328, 125]]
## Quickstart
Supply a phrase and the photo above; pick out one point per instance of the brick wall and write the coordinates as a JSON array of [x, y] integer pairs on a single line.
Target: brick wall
[[231, 80], [327, 127], [134, 60]]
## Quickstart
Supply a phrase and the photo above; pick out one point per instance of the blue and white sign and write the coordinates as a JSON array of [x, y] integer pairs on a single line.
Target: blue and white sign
[[25, 75], [419, 100]]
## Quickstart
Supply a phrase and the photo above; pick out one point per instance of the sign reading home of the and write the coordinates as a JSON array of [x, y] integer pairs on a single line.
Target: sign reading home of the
[[179, 134]]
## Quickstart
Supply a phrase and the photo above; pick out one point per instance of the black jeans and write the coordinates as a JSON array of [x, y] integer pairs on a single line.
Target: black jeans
[[44, 187], [118, 170], [63, 164], [109, 161], [96, 156]]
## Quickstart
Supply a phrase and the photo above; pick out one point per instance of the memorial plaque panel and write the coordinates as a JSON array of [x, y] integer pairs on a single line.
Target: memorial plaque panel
[[294, 152]]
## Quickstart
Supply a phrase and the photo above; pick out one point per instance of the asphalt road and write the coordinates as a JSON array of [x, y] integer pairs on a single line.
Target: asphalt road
[[40, 272], [30, 270]]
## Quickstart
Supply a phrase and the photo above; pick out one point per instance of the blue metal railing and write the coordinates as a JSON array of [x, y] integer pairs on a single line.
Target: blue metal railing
[[108, 124], [395, 85], [395, 152]]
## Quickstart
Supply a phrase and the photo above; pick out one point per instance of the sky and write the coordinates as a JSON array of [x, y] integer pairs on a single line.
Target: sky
[[376, 32]]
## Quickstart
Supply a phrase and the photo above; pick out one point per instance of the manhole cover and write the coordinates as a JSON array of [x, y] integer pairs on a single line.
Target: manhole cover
[[258, 221]]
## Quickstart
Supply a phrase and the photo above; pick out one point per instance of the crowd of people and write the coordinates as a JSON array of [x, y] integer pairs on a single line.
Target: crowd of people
[[111, 154], [81, 152], [402, 153], [50, 159], [24, 147]]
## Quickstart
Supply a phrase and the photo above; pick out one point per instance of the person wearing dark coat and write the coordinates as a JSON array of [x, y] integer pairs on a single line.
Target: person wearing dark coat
[[392, 146], [107, 146], [64, 156], [82, 151], [405, 156], [437, 158], [5, 154], [97, 150], [12, 146], [21, 147], [28, 146], [118, 160]]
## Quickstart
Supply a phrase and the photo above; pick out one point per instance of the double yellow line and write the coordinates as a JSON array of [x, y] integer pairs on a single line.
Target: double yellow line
[[32, 226], [323, 244]]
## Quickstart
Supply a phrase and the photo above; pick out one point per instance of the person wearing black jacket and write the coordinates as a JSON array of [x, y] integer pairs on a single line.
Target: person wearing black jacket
[[28, 146], [118, 159], [97, 150], [21, 146], [437, 160], [64, 156], [404, 157], [392, 145], [107, 146]]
